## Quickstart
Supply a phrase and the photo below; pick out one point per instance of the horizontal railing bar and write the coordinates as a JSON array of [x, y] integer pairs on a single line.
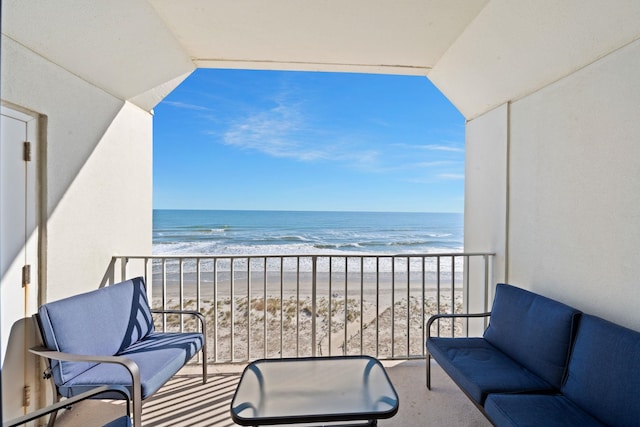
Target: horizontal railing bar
[[308, 255]]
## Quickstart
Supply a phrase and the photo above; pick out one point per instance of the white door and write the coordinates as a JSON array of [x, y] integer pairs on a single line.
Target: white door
[[18, 256]]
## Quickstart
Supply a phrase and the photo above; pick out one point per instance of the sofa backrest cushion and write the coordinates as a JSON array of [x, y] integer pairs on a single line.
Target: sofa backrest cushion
[[101, 322], [533, 330], [604, 372]]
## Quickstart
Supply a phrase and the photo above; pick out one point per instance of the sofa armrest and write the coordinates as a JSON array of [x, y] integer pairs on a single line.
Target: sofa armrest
[[203, 324], [70, 401], [428, 328], [129, 364], [452, 316], [194, 313]]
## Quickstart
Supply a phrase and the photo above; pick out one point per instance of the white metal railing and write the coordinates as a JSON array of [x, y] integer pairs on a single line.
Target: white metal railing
[[271, 306]]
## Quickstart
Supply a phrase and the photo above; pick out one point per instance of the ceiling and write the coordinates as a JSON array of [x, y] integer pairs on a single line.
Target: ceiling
[[383, 36], [479, 53]]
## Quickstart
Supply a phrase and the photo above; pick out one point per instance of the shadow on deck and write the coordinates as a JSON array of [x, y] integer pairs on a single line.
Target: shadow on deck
[[185, 401]]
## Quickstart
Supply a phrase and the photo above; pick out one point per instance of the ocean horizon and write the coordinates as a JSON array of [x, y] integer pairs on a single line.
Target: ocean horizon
[[258, 232]]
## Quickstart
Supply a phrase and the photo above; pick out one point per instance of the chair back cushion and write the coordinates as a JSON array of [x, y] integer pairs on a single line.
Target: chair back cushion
[[604, 372], [102, 322], [533, 330]]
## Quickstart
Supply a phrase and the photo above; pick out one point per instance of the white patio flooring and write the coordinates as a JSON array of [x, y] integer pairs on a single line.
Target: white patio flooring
[[185, 401]]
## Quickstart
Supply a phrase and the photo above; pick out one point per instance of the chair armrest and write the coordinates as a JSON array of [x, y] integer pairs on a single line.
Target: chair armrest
[[129, 364], [452, 316], [203, 324], [67, 402], [197, 314]]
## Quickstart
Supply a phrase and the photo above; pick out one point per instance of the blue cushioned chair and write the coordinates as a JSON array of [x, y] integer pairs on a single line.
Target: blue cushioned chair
[[107, 337]]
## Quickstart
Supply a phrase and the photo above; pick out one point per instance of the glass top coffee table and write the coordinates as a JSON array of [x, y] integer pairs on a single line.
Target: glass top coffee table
[[314, 390]]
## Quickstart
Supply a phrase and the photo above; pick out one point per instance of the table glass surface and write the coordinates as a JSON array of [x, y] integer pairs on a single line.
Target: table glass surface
[[329, 388]]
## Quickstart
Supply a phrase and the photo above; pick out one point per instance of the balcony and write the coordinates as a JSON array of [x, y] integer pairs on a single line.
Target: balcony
[[544, 188], [294, 306]]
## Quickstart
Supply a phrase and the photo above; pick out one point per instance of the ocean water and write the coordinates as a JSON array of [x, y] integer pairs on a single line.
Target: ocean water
[[227, 232]]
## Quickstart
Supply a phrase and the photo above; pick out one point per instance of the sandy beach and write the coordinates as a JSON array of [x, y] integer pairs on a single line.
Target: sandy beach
[[374, 310]]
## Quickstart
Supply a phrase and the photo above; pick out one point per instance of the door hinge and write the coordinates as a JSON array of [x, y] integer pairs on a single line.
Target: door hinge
[[26, 396], [26, 275], [27, 151]]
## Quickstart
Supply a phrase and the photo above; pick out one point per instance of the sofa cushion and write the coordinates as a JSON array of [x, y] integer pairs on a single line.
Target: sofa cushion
[[533, 330], [531, 410], [124, 421], [604, 372], [158, 356], [100, 322], [480, 368]]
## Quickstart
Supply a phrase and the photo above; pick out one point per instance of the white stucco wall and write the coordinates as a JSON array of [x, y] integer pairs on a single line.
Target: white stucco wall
[[107, 208], [574, 188], [98, 169], [97, 187], [485, 203], [486, 188]]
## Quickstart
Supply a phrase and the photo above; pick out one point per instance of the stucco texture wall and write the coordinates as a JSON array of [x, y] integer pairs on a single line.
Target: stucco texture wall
[[486, 195], [574, 199], [107, 209], [97, 168]]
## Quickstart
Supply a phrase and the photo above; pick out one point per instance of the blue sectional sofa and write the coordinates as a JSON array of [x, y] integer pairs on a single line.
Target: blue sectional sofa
[[107, 337], [543, 363]]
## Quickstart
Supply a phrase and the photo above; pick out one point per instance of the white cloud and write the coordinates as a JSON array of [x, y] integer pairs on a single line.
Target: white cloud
[[285, 131], [435, 163], [185, 105], [435, 147], [278, 132], [451, 176], [288, 130], [450, 147]]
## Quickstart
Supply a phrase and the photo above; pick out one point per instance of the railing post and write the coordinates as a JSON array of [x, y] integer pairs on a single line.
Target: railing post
[[408, 306], [393, 306], [346, 305], [438, 291], [453, 294], [486, 288], [232, 307], [248, 308], [423, 303], [281, 306], [298, 306], [314, 284], [264, 306], [123, 268], [465, 291], [164, 293], [215, 309], [181, 291], [377, 306]]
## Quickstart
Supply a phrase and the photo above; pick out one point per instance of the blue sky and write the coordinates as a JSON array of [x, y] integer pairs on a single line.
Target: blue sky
[[273, 140]]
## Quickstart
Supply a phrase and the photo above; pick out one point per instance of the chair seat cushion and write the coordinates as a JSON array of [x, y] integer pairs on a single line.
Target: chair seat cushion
[[159, 356], [479, 368], [124, 421], [519, 410]]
